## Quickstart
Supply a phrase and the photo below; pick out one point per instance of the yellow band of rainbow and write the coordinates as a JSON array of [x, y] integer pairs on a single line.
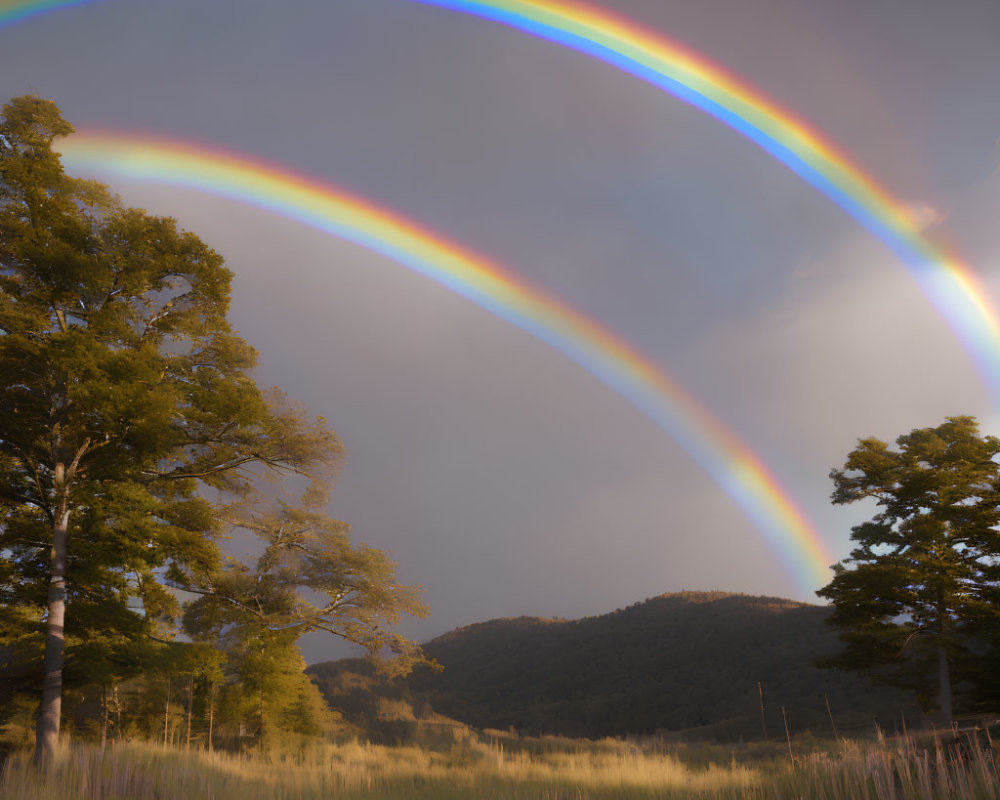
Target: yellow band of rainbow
[[951, 286], [739, 472], [12, 11]]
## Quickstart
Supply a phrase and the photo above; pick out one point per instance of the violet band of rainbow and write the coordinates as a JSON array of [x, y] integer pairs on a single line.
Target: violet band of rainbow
[[952, 287], [719, 452]]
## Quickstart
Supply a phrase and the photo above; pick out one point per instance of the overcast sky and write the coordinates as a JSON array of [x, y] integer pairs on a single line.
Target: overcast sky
[[502, 477]]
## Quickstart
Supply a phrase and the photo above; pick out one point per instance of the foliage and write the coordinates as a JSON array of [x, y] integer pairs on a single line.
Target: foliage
[[917, 596], [125, 396], [257, 612], [306, 555]]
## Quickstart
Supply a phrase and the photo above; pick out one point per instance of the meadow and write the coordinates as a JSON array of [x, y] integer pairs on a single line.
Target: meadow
[[497, 765]]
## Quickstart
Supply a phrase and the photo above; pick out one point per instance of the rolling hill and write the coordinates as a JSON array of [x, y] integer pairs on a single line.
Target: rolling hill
[[683, 664]]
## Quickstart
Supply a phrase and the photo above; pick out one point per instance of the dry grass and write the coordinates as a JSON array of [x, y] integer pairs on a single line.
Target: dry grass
[[486, 769]]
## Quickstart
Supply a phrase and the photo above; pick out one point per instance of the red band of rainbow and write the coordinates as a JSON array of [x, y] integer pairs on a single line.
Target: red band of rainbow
[[718, 451]]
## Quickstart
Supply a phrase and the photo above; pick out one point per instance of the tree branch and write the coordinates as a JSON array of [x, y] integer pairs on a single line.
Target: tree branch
[[253, 458]]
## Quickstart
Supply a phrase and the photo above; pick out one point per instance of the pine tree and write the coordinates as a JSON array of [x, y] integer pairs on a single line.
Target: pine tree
[[916, 594]]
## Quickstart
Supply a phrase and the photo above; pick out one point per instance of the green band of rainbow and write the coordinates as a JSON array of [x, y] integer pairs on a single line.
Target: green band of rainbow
[[952, 287], [720, 453], [12, 11]]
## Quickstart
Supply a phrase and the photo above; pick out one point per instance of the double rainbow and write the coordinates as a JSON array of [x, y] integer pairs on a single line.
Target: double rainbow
[[720, 453], [950, 286]]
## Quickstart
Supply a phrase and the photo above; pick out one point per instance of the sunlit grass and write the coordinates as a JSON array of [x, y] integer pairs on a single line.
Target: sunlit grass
[[486, 768]]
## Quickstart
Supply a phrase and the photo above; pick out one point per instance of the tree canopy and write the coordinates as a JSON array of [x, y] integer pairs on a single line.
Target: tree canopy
[[124, 396], [915, 598]]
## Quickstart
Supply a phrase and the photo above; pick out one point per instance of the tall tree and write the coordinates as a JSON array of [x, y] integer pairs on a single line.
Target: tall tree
[[308, 577], [122, 391], [916, 592]]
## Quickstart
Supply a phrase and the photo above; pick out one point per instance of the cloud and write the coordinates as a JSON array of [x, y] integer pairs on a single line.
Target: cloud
[[850, 348]]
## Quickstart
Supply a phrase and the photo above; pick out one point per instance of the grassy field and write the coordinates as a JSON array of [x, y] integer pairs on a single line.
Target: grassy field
[[500, 766]]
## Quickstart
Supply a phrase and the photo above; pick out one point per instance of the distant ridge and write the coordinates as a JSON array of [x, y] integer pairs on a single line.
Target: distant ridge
[[686, 664]]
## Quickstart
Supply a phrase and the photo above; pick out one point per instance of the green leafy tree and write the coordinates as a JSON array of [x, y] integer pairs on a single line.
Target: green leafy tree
[[181, 692], [105, 658], [308, 577], [917, 594], [123, 393]]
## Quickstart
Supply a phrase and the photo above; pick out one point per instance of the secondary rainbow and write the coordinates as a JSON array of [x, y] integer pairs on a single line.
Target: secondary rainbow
[[11, 12], [717, 450], [951, 286]]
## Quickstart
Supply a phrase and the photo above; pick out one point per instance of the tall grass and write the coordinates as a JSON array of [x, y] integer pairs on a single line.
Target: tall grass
[[486, 768]]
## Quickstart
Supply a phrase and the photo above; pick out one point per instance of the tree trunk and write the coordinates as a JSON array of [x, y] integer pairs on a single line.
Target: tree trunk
[[104, 717], [118, 714], [47, 733], [262, 715], [190, 710], [166, 713], [944, 680], [211, 717]]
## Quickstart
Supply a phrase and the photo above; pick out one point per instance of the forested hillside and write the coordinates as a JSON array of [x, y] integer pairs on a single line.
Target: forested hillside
[[676, 663]]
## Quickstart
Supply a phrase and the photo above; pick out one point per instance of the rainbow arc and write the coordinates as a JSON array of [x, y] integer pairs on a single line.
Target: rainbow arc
[[952, 287], [737, 470]]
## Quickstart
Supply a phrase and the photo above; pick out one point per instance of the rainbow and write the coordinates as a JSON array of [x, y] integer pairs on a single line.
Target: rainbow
[[12, 11], [950, 286], [718, 451]]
